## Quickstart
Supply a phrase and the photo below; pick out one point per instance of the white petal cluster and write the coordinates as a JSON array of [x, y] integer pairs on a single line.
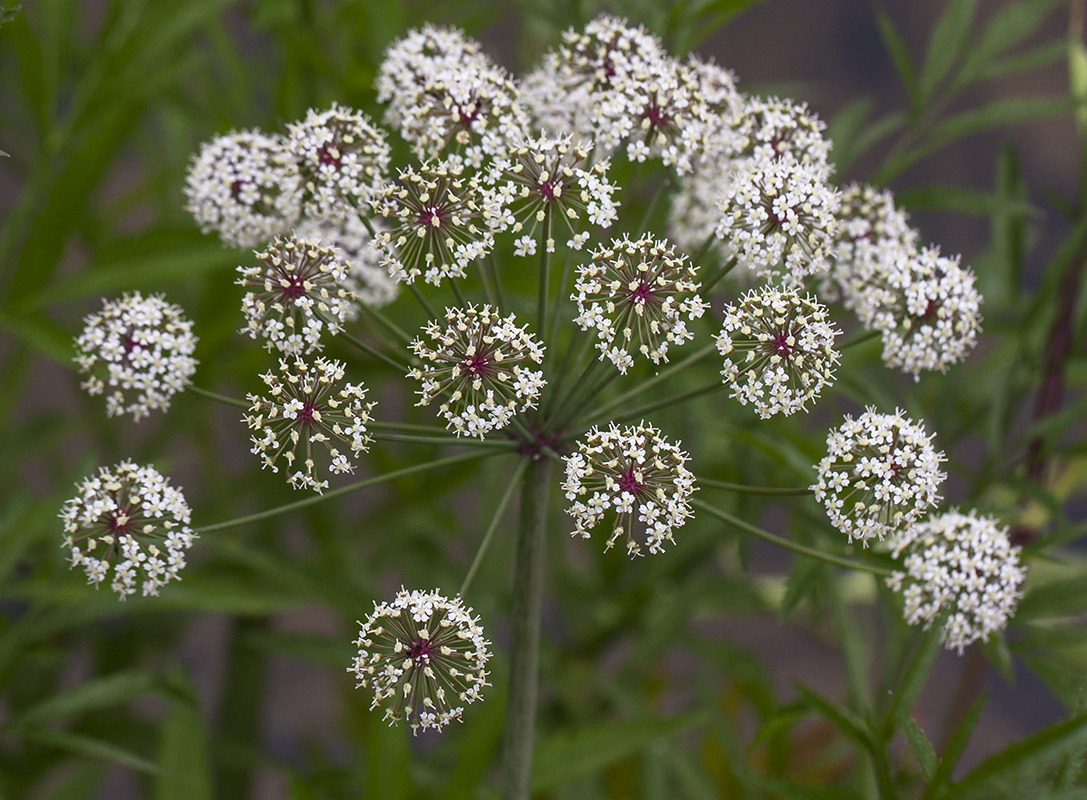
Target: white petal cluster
[[477, 364], [549, 178], [693, 215], [245, 187], [298, 291], [434, 224], [137, 351], [449, 99], [425, 658], [779, 350], [636, 293], [881, 473], [638, 475], [353, 247], [779, 215], [960, 565], [309, 408], [341, 157], [130, 518], [773, 129]]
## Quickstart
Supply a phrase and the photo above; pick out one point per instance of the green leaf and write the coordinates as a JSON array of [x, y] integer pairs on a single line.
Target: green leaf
[[570, 755], [952, 32], [800, 582], [955, 746], [1031, 59], [963, 200], [183, 748], [896, 48], [1055, 598], [40, 333], [104, 692], [1077, 79], [845, 127], [93, 748], [919, 745], [1009, 26], [914, 673], [847, 723]]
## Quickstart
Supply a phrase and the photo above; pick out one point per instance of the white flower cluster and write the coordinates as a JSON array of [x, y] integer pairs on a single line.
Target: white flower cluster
[[693, 215], [138, 351], [960, 565], [635, 294], [341, 157], [425, 658], [309, 406], [352, 245], [477, 364], [881, 473], [434, 218], [449, 99], [245, 187], [549, 178], [129, 517], [779, 350], [780, 212], [635, 473], [774, 129], [297, 292]]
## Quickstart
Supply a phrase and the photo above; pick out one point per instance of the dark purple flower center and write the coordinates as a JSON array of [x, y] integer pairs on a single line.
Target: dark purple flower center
[[642, 293], [236, 188], [547, 190], [430, 217], [628, 482], [780, 344], [129, 344], [305, 413], [329, 155], [468, 117], [117, 527], [419, 650], [296, 286], [478, 364], [930, 310], [657, 116]]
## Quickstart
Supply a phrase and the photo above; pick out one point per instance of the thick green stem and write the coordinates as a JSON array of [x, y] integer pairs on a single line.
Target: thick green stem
[[717, 276], [218, 398], [528, 582], [385, 322]]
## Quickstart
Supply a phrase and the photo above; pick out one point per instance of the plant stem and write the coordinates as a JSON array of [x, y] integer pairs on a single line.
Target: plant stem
[[582, 380], [705, 248], [485, 280], [743, 489], [545, 282], [219, 398], [406, 426], [670, 401], [867, 336], [354, 487], [493, 266], [800, 549], [528, 580], [664, 374], [385, 322], [561, 298], [422, 301], [717, 276], [459, 294], [500, 509], [662, 186], [373, 352], [467, 441]]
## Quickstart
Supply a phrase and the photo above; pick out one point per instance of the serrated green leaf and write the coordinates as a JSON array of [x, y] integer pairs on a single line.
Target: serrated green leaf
[[848, 724], [93, 748], [184, 773], [570, 755], [951, 34], [919, 745], [1010, 25], [104, 692]]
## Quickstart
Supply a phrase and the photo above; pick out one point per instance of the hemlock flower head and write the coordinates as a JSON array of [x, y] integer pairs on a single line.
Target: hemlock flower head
[[779, 350], [772, 129], [880, 475], [350, 241], [309, 407], [710, 137], [298, 291], [424, 656], [635, 473], [962, 565], [549, 177], [130, 518], [245, 187], [477, 363], [636, 293], [138, 352], [434, 224], [779, 214], [342, 158]]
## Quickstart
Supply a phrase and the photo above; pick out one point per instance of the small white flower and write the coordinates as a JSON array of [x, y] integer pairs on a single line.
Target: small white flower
[[353, 247], [424, 656], [772, 129], [635, 473], [138, 352], [308, 408], [635, 294], [779, 350], [880, 475], [298, 291], [245, 187], [477, 364], [131, 518], [960, 565]]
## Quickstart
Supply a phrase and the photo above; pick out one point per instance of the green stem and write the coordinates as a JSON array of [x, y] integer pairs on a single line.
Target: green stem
[[385, 322], [744, 489], [467, 441], [461, 299], [705, 248], [354, 487], [373, 352], [663, 375], [422, 301], [596, 389], [641, 411], [424, 430], [561, 298], [493, 266], [528, 581], [583, 379], [545, 282], [717, 276], [864, 337], [219, 398], [495, 519], [800, 549], [662, 186], [571, 355], [485, 280]]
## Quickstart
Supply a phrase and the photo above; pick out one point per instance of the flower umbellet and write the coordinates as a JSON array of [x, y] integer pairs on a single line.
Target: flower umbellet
[[424, 656], [881, 473], [477, 363], [298, 292], [138, 352], [961, 565], [309, 407], [779, 350], [353, 247], [635, 294], [637, 475], [128, 518]]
